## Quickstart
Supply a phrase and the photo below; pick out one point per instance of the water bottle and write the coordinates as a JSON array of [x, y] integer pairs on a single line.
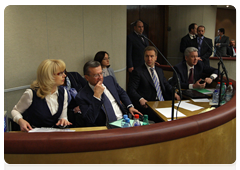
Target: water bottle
[[229, 92], [218, 86], [136, 120], [145, 120], [215, 96], [223, 91], [123, 120], [127, 123]]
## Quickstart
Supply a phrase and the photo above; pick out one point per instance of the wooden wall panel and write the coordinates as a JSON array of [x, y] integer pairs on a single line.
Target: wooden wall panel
[[156, 19]]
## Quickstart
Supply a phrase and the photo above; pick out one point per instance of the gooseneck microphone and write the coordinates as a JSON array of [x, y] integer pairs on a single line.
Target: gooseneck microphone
[[173, 86], [222, 73]]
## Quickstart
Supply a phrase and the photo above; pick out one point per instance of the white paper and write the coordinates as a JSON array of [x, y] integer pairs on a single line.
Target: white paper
[[201, 100], [50, 130], [188, 106], [167, 112]]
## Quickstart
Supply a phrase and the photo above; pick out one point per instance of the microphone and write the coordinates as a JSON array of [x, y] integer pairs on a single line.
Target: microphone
[[178, 82], [224, 70]]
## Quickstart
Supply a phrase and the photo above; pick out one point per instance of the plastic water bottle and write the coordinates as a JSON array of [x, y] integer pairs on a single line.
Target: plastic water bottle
[[218, 86], [136, 120], [215, 96], [229, 92], [145, 120], [127, 123], [123, 120], [223, 91]]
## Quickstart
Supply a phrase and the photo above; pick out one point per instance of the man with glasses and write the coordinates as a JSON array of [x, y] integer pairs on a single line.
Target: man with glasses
[[190, 71], [100, 100]]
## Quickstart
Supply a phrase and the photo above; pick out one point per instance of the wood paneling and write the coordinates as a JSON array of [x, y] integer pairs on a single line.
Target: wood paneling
[[155, 18]]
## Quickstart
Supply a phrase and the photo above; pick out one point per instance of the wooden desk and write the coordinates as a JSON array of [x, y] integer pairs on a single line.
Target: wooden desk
[[164, 104]]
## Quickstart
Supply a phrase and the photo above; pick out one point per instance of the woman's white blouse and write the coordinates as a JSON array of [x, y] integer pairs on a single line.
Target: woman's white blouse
[[52, 101]]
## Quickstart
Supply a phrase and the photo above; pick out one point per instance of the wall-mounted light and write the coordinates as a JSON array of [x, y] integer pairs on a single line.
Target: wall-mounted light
[[227, 6]]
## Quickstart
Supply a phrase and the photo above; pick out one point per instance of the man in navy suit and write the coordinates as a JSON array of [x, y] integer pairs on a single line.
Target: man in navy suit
[[147, 83], [135, 46], [204, 45], [190, 71], [221, 43], [189, 40], [100, 99], [232, 50]]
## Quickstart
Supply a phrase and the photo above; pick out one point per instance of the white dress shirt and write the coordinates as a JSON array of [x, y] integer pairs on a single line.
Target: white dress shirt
[[191, 85], [52, 101]]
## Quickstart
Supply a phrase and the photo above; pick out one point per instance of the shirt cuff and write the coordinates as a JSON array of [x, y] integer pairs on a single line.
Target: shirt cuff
[[131, 105], [97, 98], [214, 76], [190, 86]]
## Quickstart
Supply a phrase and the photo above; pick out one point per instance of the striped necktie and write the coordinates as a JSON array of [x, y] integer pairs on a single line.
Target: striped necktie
[[157, 85]]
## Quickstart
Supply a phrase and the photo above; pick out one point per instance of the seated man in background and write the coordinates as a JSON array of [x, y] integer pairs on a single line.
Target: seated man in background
[[147, 83], [231, 50], [99, 100], [190, 71]]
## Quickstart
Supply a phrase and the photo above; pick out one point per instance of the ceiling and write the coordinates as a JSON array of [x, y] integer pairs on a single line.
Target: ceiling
[[225, 7]]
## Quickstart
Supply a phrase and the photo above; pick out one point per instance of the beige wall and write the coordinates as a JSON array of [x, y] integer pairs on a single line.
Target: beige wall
[[180, 17], [71, 33]]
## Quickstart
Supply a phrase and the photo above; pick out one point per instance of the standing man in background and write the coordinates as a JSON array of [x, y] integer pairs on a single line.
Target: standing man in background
[[204, 45], [221, 43], [189, 40], [136, 44]]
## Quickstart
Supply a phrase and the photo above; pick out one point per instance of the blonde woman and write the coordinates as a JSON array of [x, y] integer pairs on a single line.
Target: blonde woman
[[45, 104]]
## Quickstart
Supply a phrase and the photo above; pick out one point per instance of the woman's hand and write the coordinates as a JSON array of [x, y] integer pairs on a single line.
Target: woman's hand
[[24, 125], [63, 122]]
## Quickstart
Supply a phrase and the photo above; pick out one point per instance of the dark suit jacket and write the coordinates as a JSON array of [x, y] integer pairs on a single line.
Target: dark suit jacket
[[222, 50], [141, 85], [77, 82], [199, 69], [186, 41], [230, 51], [206, 50], [135, 50], [92, 110]]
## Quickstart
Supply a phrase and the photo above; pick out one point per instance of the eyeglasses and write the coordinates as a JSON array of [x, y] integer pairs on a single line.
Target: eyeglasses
[[61, 73], [107, 58], [96, 75]]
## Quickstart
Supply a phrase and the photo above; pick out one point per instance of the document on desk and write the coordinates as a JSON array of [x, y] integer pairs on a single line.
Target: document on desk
[[43, 129], [167, 112], [201, 100], [189, 106]]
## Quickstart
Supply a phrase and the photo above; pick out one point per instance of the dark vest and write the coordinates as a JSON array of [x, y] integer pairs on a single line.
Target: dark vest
[[39, 115]]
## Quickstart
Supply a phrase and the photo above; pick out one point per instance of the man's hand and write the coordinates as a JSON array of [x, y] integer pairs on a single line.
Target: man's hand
[[197, 85], [130, 69], [208, 80], [77, 110], [132, 110], [98, 90], [24, 125], [63, 122], [177, 96], [143, 103]]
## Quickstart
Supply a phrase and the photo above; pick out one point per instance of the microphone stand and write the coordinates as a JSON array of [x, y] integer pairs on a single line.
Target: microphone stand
[[173, 86], [222, 73]]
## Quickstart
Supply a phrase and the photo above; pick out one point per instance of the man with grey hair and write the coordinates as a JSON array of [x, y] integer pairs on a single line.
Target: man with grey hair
[[231, 51], [100, 99], [190, 71]]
